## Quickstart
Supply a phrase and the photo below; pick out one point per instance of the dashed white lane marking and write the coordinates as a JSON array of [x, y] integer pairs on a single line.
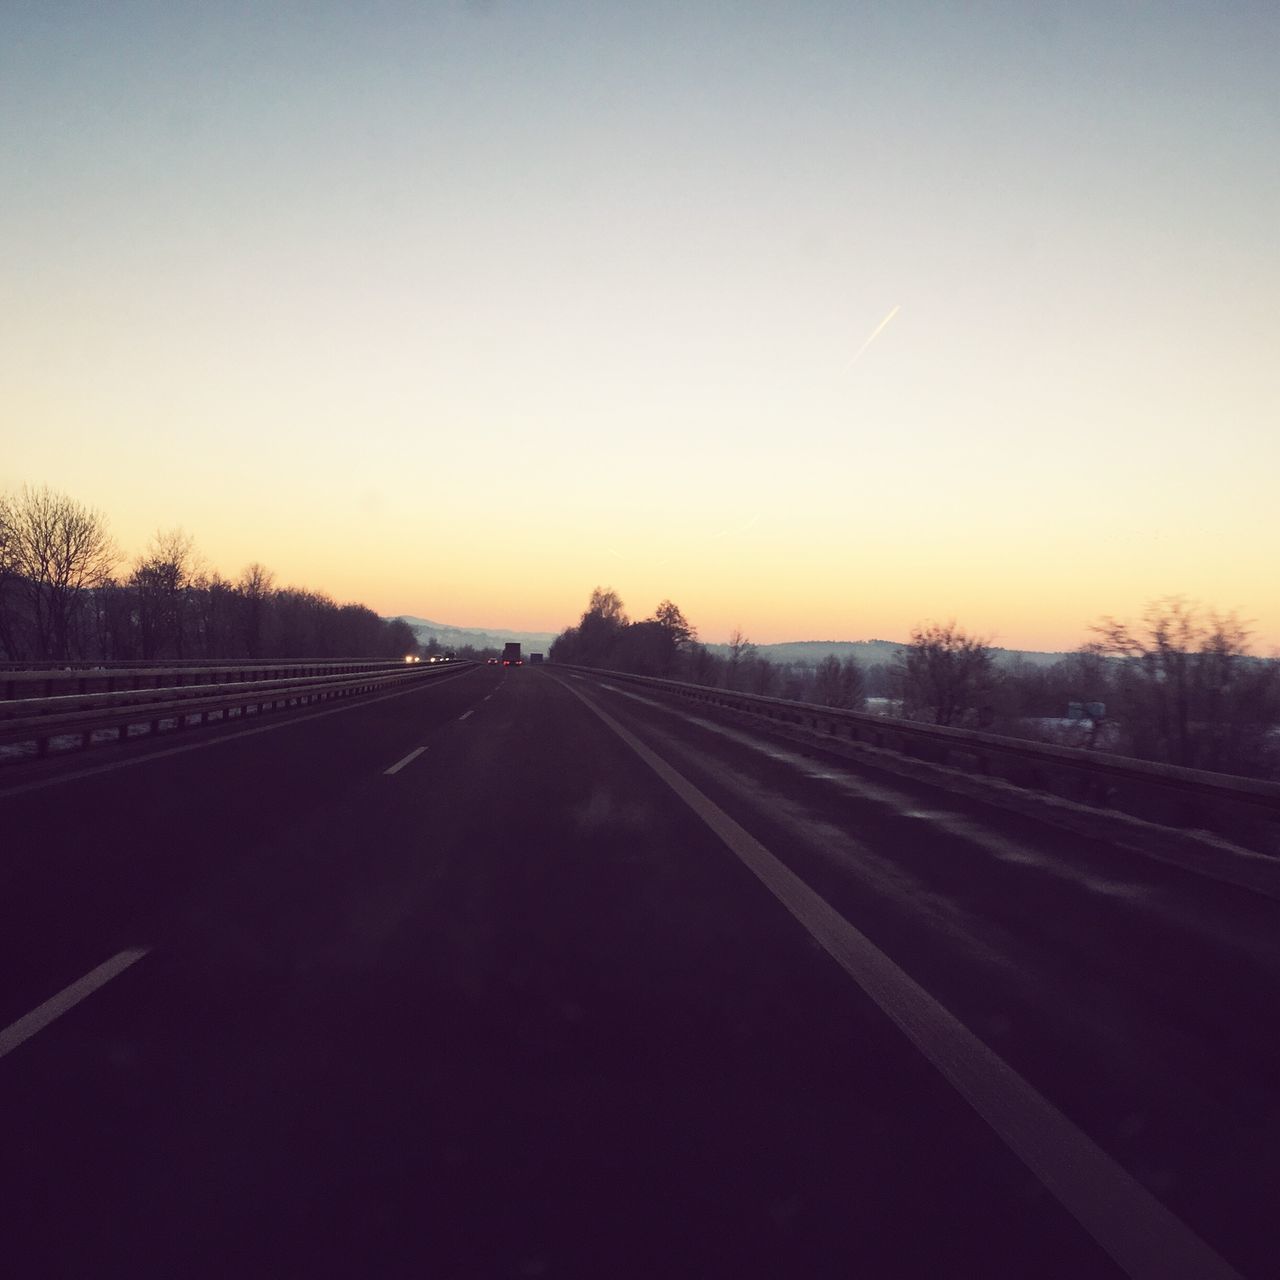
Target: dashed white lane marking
[[1145, 1239], [400, 764], [465, 714], [39, 1018]]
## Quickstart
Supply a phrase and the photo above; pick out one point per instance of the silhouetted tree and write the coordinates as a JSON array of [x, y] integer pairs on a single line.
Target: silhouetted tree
[[253, 591], [839, 684], [215, 606], [606, 605], [600, 627], [1188, 690], [565, 647], [643, 648], [58, 600], [678, 628], [704, 666], [114, 622], [741, 650], [160, 583], [758, 675], [945, 672], [59, 550], [674, 636], [10, 580]]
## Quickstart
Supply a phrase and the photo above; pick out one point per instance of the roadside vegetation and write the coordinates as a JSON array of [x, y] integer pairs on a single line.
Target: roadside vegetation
[[64, 595], [1179, 687]]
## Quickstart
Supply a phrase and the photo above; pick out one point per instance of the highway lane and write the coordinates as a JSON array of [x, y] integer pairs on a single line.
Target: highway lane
[[95, 862], [512, 1011], [1139, 997]]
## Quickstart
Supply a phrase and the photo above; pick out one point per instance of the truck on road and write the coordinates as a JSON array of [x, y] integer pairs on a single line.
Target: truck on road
[[511, 654]]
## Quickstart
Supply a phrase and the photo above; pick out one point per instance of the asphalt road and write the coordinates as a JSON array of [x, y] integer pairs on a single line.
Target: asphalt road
[[634, 994]]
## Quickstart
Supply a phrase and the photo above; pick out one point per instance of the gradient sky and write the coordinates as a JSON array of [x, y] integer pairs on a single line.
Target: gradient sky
[[461, 309]]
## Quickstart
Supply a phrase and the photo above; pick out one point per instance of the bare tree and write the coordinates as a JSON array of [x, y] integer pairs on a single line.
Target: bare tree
[[215, 603], [676, 633], [255, 586], [840, 684], [61, 549], [669, 617], [399, 639], [741, 651], [115, 622], [606, 604], [643, 648], [1190, 692], [9, 587], [759, 675], [161, 581], [945, 672], [7, 552], [704, 666], [58, 599], [599, 629]]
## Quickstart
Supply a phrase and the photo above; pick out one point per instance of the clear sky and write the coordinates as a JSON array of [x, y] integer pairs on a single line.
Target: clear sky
[[462, 309]]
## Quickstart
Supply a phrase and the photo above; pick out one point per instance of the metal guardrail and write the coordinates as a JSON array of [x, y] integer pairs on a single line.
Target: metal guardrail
[[48, 681], [124, 664], [40, 721], [1246, 810]]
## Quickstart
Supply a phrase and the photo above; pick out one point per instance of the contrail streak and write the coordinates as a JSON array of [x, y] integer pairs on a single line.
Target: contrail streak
[[875, 333], [725, 533]]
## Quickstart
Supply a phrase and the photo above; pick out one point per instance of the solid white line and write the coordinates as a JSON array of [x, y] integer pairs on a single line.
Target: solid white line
[[221, 738], [1147, 1241], [400, 764], [25, 1027], [465, 714]]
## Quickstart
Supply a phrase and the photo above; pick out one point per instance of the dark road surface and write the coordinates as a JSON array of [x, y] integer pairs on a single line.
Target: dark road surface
[[516, 1009]]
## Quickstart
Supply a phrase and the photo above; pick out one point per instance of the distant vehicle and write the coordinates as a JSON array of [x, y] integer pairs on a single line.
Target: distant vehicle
[[536, 659], [511, 654], [493, 662]]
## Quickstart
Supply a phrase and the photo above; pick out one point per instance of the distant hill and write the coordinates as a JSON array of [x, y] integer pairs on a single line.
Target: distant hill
[[869, 652], [811, 652], [805, 652], [450, 637]]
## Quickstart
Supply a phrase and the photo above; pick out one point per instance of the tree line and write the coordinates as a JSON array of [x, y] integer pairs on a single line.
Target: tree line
[[1181, 686], [666, 644], [63, 596]]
